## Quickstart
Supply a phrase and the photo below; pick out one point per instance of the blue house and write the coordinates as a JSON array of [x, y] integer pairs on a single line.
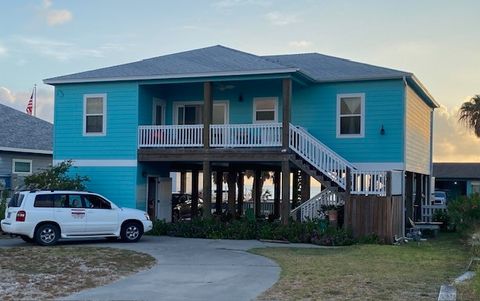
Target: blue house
[[364, 132]]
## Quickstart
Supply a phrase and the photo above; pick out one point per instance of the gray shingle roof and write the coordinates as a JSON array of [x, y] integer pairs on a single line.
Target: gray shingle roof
[[220, 60], [21, 131], [324, 68], [456, 170], [205, 61]]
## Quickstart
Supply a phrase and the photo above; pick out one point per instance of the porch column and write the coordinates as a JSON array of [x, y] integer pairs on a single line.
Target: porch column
[[231, 181], [305, 192], [296, 188], [219, 191], [183, 182], [276, 194], [257, 192], [194, 208], [418, 196], [285, 213], [241, 186], [207, 113], [287, 97], [207, 188], [347, 212]]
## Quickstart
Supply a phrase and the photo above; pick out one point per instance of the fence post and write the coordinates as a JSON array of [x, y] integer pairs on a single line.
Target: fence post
[[388, 184]]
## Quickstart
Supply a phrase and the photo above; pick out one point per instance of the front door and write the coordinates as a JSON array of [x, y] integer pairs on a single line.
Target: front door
[[164, 199], [152, 198]]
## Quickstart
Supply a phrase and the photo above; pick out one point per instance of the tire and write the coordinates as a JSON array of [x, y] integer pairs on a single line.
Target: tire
[[47, 235], [131, 232], [27, 239]]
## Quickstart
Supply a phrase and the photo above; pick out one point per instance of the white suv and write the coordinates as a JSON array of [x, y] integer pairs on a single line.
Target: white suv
[[46, 216]]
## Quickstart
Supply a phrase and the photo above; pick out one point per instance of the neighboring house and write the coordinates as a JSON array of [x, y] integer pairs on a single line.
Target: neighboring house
[[457, 179], [25, 146], [348, 125]]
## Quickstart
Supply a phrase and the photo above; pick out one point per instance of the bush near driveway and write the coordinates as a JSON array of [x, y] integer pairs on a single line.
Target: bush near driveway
[[307, 232]]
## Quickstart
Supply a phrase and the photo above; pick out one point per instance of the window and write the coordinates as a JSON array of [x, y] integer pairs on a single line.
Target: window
[[21, 167], [16, 200], [96, 202], [350, 115], [50, 200], [94, 123], [75, 201], [265, 110], [158, 111], [192, 112]]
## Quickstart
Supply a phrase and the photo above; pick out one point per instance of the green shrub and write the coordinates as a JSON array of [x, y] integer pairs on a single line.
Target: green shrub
[[444, 217], [465, 213], [218, 228]]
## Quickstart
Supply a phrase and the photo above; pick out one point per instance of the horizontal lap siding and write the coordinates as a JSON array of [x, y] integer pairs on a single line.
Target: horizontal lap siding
[[122, 120], [116, 183], [418, 134], [315, 108]]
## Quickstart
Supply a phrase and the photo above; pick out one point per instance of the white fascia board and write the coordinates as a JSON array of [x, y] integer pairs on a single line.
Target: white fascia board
[[54, 81], [100, 163]]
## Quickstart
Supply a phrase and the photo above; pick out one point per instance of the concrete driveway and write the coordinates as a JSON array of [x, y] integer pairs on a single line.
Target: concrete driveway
[[188, 269]]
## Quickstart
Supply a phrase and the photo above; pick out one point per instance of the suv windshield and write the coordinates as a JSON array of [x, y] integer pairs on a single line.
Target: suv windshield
[[440, 194], [16, 200]]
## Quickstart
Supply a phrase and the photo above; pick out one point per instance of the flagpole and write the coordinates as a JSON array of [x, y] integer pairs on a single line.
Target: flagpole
[[35, 100]]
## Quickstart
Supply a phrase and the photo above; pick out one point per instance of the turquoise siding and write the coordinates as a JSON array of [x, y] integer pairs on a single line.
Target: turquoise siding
[[315, 108], [115, 183], [122, 120]]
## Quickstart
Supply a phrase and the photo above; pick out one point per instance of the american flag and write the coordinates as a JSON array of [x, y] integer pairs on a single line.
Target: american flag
[[29, 109]]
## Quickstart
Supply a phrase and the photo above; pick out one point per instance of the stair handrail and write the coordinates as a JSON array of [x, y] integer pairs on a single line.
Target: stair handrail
[[335, 167], [315, 203]]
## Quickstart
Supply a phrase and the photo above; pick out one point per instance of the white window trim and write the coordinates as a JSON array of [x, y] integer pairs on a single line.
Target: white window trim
[[104, 125], [255, 99], [362, 115], [155, 103], [21, 161], [177, 104]]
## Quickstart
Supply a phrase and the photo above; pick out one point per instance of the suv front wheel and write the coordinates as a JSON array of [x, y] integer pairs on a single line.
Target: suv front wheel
[[131, 232], [47, 235]]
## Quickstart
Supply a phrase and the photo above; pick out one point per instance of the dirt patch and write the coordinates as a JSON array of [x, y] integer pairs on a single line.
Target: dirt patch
[[38, 273]]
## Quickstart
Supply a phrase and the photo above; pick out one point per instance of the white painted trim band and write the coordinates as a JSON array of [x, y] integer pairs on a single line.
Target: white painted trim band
[[26, 150], [387, 166], [100, 163]]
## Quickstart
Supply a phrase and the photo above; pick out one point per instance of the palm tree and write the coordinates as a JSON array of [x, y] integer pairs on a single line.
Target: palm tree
[[470, 114]]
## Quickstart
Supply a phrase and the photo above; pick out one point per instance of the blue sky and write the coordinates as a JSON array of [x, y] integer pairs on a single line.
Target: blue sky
[[437, 40]]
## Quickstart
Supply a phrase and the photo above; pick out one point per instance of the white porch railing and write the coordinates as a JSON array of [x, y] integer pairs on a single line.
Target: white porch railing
[[311, 209], [369, 182], [319, 155], [429, 210], [246, 135], [170, 135]]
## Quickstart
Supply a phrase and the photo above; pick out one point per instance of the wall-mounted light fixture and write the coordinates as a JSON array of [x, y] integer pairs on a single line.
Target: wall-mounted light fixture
[[382, 131], [240, 97]]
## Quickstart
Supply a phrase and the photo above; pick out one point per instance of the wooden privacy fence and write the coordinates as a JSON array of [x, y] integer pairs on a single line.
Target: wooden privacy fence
[[380, 215]]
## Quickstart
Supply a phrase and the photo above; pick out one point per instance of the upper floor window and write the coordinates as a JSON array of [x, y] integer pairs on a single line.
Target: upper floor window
[[350, 115], [22, 167], [95, 114], [265, 109]]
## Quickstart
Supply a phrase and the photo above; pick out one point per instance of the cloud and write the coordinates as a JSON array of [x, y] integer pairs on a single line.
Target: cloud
[[280, 19], [54, 17], [65, 51], [18, 100], [453, 142], [3, 50], [300, 44]]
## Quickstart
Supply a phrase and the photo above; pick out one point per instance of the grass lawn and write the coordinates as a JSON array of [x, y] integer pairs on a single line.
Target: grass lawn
[[368, 272], [40, 273]]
